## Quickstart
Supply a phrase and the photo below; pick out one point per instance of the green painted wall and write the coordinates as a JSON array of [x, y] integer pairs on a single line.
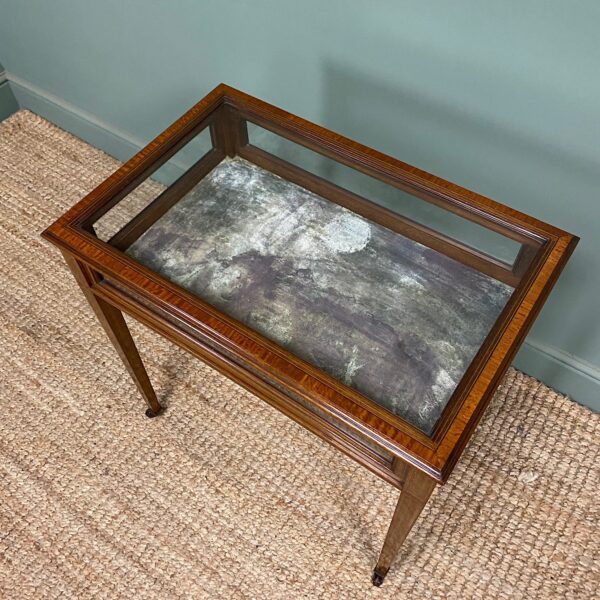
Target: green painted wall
[[501, 97]]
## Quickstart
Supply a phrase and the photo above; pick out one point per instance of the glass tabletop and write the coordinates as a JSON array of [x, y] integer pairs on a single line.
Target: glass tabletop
[[386, 315]]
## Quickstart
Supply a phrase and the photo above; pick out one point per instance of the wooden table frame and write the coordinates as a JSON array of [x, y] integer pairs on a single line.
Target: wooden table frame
[[401, 454]]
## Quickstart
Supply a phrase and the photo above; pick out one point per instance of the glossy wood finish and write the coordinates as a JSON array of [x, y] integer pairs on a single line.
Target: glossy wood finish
[[203, 347], [354, 424], [416, 489], [435, 455], [114, 325]]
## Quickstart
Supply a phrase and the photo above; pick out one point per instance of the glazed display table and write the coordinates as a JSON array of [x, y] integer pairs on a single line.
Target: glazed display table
[[375, 304]]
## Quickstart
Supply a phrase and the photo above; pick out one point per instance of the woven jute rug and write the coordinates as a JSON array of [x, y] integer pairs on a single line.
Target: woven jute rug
[[223, 497]]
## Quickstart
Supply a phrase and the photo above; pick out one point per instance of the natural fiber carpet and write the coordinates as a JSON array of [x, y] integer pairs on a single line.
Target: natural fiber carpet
[[223, 497]]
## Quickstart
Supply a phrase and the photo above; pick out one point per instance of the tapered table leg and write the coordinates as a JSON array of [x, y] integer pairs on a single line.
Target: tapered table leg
[[114, 324], [415, 493]]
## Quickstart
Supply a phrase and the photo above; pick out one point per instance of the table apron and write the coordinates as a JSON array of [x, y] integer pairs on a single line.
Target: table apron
[[377, 460]]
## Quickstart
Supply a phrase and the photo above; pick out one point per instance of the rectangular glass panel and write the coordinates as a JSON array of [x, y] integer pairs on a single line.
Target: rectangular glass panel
[[434, 217], [167, 174], [396, 321]]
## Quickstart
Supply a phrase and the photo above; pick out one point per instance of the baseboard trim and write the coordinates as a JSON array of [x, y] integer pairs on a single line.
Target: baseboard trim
[[8, 102], [558, 369], [562, 371], [114, 141]]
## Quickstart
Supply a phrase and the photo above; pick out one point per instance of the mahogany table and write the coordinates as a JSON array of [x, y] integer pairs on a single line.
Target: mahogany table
[[373, 303]]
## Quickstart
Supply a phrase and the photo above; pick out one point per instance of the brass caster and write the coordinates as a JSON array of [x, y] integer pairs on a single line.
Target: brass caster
[[151, 414], [377, 578]]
